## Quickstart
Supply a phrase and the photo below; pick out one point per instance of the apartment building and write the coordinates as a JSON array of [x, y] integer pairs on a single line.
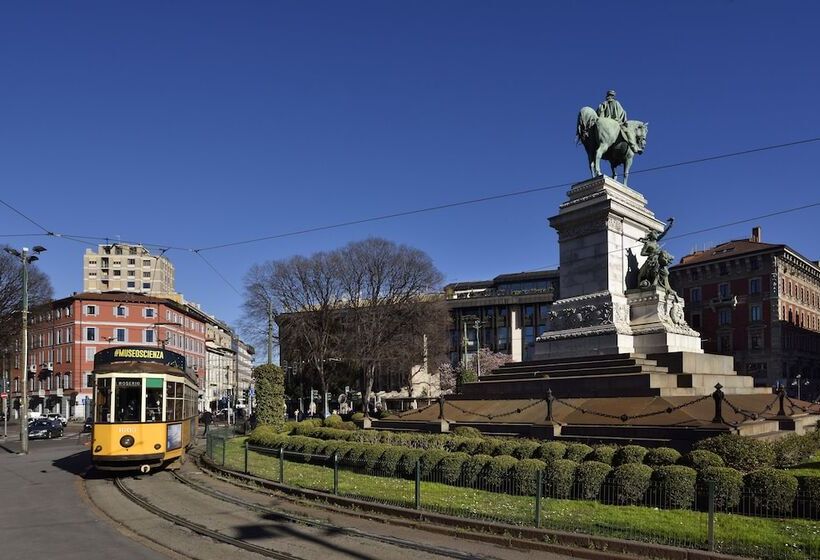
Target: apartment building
[[128, 268]]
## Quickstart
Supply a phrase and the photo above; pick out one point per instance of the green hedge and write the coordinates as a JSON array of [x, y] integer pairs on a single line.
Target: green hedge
[[451, 467], [560, 478], [771, 491], [526, 449], [660, 456], [551, 451], [467, 431], [429, 462], [469, 445], [699, 459], [577, 452], [603, 454], [590, 477], [740, 452], [630, 481], [488, 446], [728, 485], [808, 488], [371, 456], [389, 462], [676, 486], [497, 473], [629, 454], [525, 473], [473, 469], [793, 449], [407, 464], [505, 447]]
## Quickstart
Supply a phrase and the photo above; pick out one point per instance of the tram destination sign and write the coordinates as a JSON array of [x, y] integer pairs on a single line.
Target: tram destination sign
[[139, 354]]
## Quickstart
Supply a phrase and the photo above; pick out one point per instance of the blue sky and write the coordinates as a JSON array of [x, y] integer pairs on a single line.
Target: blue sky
[[192, 124]]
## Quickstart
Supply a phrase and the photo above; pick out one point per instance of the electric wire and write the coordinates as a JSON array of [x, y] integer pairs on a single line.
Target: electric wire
[[24, 216], [218, 273]]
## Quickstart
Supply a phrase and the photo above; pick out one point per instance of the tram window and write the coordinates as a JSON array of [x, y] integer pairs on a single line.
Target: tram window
[[129, 399], [153, 399], [103, 401], [173, 394]]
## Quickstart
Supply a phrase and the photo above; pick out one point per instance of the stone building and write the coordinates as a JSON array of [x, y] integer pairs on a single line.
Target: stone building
[[758, 302], [128, 268]]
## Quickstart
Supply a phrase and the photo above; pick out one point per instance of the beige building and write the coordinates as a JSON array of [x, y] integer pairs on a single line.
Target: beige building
[[122, 267]]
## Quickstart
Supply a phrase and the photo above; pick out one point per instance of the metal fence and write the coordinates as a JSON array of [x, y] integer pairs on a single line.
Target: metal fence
[[702, 517]]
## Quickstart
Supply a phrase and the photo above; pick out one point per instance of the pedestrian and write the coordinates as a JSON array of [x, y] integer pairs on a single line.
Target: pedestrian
[[207, 419]]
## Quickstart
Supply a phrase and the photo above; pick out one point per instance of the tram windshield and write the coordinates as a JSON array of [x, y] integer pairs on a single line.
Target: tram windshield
[[103, 401], [128, 396]]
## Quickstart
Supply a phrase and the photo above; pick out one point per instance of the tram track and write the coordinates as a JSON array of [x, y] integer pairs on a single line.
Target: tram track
[[357, 533], [200, 529]]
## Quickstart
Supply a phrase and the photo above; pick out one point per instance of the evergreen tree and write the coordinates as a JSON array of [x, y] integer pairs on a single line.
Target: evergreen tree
[[270, 395]]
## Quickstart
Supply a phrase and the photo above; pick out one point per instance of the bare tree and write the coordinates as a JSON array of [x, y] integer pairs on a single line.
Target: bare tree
[[384, 284], [11, 295], [307, 297]]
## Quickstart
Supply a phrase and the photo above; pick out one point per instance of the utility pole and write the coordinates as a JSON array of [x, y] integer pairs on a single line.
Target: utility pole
[[5, 396], [25, 259], [477, 325]]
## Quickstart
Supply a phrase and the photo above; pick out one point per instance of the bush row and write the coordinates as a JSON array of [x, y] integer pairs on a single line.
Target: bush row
[[766, 491]]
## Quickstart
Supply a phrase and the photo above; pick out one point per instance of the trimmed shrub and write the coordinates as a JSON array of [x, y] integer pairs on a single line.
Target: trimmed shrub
[[371, 457], [267, 436], [676, 485], [809, 495], [506, 447], [451, 466], [467, 431], [438, 441], [357, 416], [590, 477], [407, 464], [629, 454], [631, 480], [700, 459], [497, 474], [525, 473], [739, 452], [526, 449], [488, 446], [551, 451], [603, 454], [560, 478], [577, 452], [771, 491], [792, 450], [469, 445], [348, 426], [332, 421], [355, 453], [430, 460], [473, 468], [728, 485], [660, 456], [389, 461]]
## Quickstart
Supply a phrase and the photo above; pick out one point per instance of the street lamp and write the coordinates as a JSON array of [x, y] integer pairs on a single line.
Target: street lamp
[[25, 259], [477, 325], [797, 382]]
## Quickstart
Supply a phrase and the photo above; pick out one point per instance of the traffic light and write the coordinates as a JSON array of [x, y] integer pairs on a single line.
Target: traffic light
[[314, 395]]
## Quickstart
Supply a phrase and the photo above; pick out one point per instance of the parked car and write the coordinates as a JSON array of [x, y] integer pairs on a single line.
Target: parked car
[[56, 416], [44, 428]]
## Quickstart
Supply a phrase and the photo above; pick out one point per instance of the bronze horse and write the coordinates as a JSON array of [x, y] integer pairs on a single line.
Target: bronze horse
[[603, 138]]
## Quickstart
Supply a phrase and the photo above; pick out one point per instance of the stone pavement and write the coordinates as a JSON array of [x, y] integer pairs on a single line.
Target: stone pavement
[[42, 511]]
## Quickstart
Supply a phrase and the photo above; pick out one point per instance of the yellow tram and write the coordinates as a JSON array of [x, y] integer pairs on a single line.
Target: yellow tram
[[144, 408]]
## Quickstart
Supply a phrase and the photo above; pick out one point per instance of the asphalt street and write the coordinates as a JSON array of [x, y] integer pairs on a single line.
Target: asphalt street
[[43, 513]]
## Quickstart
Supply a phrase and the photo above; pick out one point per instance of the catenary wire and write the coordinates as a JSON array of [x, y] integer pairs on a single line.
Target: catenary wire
[[24, 216]]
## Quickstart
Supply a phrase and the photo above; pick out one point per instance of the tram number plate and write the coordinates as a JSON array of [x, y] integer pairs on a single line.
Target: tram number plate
[[127, 430]]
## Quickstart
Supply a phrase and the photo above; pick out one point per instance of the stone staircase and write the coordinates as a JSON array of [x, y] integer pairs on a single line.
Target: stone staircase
[[614, 375]]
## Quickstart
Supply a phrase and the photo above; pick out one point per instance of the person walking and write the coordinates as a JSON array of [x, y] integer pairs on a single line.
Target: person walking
[[207, 419]]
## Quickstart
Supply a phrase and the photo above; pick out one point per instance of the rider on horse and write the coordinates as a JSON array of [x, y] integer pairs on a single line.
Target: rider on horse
[[612, 109]]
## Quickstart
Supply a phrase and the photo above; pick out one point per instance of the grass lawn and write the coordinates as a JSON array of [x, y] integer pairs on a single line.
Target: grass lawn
[[734, 534]]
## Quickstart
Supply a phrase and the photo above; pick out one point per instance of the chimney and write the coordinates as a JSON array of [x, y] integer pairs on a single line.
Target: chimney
[[755, 235]]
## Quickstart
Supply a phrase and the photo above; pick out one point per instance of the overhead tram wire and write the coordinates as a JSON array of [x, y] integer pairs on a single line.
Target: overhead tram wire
[[212, 267], [25, 217], [499, 196]]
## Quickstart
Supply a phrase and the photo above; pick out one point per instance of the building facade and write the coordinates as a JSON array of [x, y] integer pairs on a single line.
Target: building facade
[[758, 302], [505, 314], [245, 354], [221, 369], [128, 268], [65, 334]]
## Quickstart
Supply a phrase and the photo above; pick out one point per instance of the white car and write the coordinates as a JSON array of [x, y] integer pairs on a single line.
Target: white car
[[56, 416]]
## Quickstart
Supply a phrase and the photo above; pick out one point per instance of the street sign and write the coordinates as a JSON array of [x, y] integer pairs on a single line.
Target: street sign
[[3, 395]]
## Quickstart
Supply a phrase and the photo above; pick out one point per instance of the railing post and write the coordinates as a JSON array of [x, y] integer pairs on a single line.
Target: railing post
[[418, 484], [246, 456], [550, 400], [336, 472], [710, 536], [718, 396], [538, 494], [281, 465], [224, 445], [781, 393]]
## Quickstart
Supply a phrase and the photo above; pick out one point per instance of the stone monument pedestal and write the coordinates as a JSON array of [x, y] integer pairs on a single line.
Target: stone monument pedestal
[[657, 321]]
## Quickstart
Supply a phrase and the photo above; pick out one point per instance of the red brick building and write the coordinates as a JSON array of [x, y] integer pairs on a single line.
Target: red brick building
[[759, 302], [65, 334]]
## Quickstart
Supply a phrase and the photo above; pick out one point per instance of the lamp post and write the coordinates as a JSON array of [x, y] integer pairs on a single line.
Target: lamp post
[[477, 325], [25, 259], [799, 384]]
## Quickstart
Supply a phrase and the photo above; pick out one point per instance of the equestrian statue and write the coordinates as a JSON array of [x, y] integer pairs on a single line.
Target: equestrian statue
[[607, 134]]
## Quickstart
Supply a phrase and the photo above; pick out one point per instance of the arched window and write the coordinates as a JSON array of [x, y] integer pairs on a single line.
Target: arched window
[[67, 379]]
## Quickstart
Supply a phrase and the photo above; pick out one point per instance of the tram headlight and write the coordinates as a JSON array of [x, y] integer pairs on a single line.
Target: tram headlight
[[127, 441]]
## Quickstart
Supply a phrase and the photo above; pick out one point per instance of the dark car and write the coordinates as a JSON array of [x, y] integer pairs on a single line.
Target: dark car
[[87, 425], [45, 429]]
